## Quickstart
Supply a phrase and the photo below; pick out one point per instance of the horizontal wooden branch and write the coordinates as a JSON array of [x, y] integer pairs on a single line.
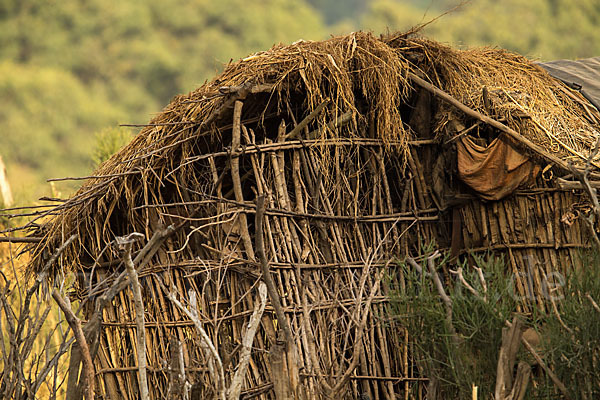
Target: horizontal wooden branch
[[27, 239], [257, 148], [525, 246], [159, 124], [575, 185], [298, 144], [250, 208], [151, 369], [244, 314], [81, 178], [373, 378]]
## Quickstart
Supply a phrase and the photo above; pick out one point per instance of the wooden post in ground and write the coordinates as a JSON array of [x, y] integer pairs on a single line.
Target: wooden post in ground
[[6, 198], [507, 386]]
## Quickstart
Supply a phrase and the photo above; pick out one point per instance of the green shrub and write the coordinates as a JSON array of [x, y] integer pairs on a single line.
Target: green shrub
[[469, 355], [575, 355], [108, 142], [466, 353]]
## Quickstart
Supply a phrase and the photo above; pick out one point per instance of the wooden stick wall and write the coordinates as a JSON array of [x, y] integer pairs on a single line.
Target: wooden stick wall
[[338, 212]]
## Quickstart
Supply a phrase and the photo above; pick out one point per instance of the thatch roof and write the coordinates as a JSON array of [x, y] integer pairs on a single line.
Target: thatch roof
[[360, 75], [354, 159]]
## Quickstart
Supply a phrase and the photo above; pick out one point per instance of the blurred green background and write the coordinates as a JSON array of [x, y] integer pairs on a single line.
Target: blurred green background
[[72, 70]]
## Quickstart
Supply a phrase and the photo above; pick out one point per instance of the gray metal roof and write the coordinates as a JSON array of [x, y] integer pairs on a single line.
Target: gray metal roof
[[583, 75]]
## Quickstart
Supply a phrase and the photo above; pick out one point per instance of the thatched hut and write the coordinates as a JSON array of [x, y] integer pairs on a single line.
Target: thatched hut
[[364, 149]]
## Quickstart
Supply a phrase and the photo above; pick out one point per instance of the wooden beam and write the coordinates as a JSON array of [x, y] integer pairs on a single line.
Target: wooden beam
[[516, 136]]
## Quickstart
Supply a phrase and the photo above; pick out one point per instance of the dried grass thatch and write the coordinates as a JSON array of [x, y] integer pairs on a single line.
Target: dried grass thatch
[[360, 75], [520, 92], [351, 157]]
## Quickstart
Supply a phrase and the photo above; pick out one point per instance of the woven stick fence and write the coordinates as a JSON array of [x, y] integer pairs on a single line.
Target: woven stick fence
[[324, 279]]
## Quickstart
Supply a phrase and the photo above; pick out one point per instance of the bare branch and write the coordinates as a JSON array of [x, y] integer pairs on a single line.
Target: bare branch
[[140, 260], [441, 291], [482, 281], [75, 324], [515, 136], [264, 263], [126, 242], [218, 376], [462, 280], [594, 304], [236, 383], [511, 338], [416, 266]]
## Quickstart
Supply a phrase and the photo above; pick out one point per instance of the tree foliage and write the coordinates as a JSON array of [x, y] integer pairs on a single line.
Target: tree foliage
[[543, 29], [45, 115], [108, 142], [73, 67]]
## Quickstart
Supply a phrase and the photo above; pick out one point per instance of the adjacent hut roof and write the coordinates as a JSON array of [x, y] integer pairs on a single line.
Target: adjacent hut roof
[[358, 77]]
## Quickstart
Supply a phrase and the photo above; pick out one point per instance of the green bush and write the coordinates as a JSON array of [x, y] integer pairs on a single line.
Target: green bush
[[574, 353], [456, 360], [108, 142], [468, 354]]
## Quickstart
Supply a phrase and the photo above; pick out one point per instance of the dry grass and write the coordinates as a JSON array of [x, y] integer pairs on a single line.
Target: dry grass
[[359, 74], [520, 92]]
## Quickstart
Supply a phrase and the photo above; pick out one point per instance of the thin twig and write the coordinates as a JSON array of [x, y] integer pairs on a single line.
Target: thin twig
[[219, 376], [75, 324], [264, 263], [126, 242], [416, 266], [238, 378], [142, 258], [438, 284], [28, 239], [298, 128], [594, 304], [462, 280], [555, 308], [482, 281]]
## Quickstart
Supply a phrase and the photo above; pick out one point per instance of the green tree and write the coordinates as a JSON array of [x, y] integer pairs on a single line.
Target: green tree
[[47, 121], [391, 15], [72, 67], [161, 46], [108, 142], [541, 29], [336, 11]]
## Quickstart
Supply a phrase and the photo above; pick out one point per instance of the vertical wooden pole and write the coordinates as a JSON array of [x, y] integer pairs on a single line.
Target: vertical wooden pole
[[6, 198]]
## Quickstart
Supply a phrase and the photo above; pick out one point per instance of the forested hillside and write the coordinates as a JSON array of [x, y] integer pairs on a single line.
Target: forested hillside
[[72, 68]]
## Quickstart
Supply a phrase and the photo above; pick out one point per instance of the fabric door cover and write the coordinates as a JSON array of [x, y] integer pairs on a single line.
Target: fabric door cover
[[494, 171]]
